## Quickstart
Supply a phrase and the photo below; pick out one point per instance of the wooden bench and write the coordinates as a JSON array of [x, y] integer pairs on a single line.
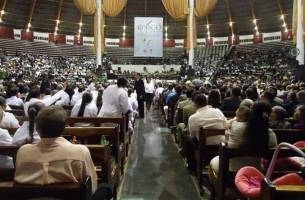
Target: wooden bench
[[289, 135], [17, 112], [205, 151], [7, 174], [97, 121], [75, 191]]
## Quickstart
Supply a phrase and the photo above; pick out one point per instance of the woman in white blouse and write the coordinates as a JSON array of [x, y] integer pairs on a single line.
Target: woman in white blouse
[[27, 133], [85, 108]]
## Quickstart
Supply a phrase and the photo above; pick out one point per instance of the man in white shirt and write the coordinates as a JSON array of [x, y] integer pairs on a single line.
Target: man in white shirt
[[12, 94], [115, 100], [208, 117]]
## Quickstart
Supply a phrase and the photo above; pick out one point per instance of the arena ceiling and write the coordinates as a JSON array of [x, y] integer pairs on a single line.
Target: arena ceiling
[[240, 12]]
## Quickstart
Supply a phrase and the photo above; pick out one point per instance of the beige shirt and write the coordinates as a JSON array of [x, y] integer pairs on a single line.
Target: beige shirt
[[54, 160]]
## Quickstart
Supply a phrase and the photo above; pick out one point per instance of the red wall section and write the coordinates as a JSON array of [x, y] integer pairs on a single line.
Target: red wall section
[[126, 42], [57, 39], [169, 43], [29, 36], [6, 32], [287, 35], [208, 42], [78, 40], [257, 38]]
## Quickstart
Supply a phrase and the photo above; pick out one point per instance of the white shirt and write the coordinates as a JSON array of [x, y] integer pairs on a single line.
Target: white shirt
[[22, 136], [14, 100], [90, 109], [158, 91], [133, 103], [115, 102], [206, 117], [9, 121], [76, 97], [6, 139], [236, 134], [149, 87]]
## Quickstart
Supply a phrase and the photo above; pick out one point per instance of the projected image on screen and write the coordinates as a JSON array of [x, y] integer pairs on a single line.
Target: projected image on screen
[[148, 36]]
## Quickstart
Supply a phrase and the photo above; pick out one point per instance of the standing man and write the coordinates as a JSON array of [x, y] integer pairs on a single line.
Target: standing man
[[140, 89]]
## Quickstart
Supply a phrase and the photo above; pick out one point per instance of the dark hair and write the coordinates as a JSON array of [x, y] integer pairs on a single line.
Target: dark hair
[[280, 112], [47, 91], [214, 98], [189, 92], [12, 90], [200, 100], [2, 102], [33, 112], [86, 99], [236, 91], [50, 121], [34, 93], [257, 130], [251, 93], [122, 82]]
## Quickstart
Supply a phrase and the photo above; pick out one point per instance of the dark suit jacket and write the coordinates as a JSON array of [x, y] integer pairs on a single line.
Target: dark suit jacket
[[230, 104], [140, 88]]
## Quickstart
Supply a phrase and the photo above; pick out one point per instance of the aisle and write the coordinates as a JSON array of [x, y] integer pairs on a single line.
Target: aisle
[[155, 170]]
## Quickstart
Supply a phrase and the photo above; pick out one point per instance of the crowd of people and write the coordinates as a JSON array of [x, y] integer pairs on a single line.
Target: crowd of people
[[256, 85]]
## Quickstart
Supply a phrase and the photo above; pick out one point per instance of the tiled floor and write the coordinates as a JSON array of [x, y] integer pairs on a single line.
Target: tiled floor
[[155, 170]]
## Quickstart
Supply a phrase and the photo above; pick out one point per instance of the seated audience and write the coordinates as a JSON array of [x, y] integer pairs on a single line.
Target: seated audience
[[5, 139], [27, 134], [12, 94], [232, 103], [299, 115], [277, 118], [8, 119]]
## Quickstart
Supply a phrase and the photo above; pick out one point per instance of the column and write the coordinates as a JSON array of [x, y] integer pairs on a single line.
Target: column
[[299, 35], [99, 33], [191, 18]]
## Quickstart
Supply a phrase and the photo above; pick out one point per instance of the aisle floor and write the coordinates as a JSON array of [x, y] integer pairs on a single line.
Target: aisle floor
[[155, 170]]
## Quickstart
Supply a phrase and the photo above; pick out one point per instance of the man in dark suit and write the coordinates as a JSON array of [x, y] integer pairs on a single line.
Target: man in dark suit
[[140, 89], [232, 103]]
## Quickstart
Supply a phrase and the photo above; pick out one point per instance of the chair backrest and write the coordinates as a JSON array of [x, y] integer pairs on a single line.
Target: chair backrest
[[289, 135], [75, 191], [14, 107], [17, 112], [7, 174]]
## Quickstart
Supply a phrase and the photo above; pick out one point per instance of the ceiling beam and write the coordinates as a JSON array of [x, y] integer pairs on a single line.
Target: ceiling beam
[[231, 24], [2, 9], [254, 20], [31, 14], [57, 22]]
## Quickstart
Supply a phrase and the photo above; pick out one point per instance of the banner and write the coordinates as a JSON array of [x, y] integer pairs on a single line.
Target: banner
[[148, 36]]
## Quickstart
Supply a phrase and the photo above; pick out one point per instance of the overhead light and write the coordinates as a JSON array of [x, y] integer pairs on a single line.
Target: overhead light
[[256, 28], [79, 31], [123, 38], [208, 26], [165, 28], [2, 12], [209, 37], [166, 34], [29, 25], [124, 34], [254, 21], [286, 30], [0, 20], [231, 23], [57, 21], [284, 24], [27, 30], [208, 32], [257, 33], [282, 17], [80, 24], [124, 27], [56, 28], [55, 33]]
